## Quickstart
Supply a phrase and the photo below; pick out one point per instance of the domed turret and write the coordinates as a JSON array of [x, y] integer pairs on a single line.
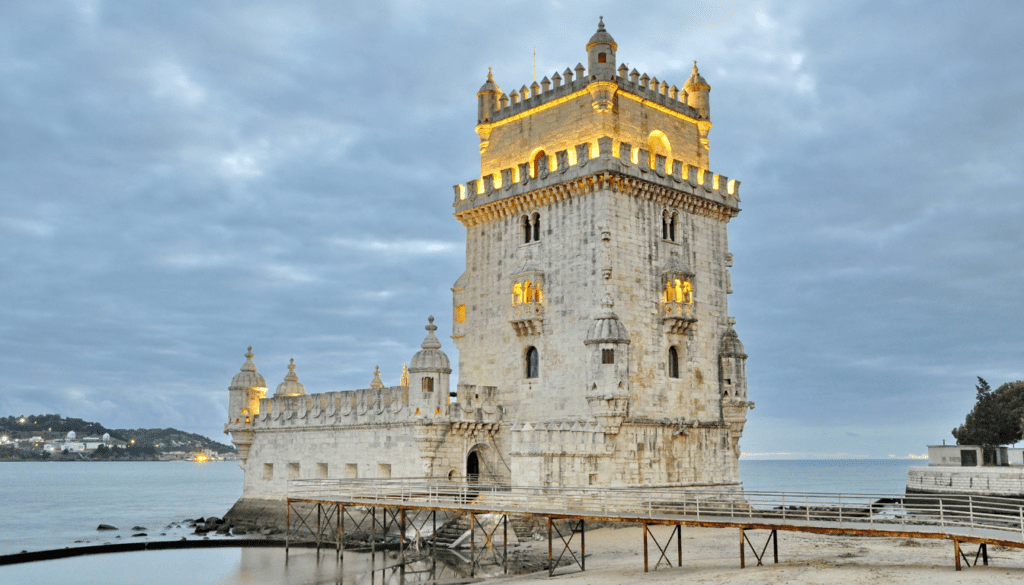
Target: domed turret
[[291, 385], [376, 382], [607, 328], [430, 357], [697, 90], [71, 436], [608, 375], [429, 369], [248, 377], [601, 54], [731, 345], [487, 99]]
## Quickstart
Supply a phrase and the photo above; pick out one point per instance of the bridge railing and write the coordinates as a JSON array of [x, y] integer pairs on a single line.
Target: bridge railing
[[934, 513]]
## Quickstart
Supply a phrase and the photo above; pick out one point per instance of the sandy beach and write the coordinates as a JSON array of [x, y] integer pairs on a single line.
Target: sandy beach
[[615, 555]]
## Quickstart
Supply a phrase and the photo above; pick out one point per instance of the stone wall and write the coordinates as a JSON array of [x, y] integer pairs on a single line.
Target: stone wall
[[989, 481]]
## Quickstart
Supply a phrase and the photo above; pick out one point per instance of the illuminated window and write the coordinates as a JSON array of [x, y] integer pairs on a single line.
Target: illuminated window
[[527, 292], [607, 356], [535, 163], [532, 363], [677, 291], [673, 363], [428, 384], [517, 293], [686, 296], [602, 57], [657, 143], [460, 314]]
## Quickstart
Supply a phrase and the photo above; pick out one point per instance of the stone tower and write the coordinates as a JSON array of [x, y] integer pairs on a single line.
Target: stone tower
[[594, 300]]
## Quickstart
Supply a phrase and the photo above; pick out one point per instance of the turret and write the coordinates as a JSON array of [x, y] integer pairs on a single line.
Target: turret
[[487, 99], [601, 55], [244, 394], [608, 369], [697, 90], [291, 385], [429, 371]]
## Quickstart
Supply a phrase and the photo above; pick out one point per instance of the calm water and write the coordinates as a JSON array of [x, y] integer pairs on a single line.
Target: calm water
[[55, 505]]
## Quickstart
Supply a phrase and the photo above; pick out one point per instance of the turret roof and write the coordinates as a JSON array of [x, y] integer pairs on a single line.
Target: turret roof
[[601, 37], [248, 377]]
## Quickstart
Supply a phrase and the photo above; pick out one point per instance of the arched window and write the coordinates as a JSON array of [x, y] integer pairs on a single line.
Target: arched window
[[686, 295], [664, 225], [535, 163], [657, 143], [536, 227], [527, 232], [528, 292], [428, 384], [517, 293], [532, 363], [672, 226], [673, 363]]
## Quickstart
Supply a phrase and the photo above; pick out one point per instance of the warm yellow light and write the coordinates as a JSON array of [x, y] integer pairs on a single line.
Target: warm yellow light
[[528, 292], [687, 293], [517, 293], [714, 184], [572, 157], [460, 314], [133, 441], [732, 186], [200, 457], [462, 192]]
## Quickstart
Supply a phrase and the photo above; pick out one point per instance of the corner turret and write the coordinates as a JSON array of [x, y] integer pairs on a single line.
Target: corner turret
[[245, 392], [697, 90], [601, 55], [429, 369]]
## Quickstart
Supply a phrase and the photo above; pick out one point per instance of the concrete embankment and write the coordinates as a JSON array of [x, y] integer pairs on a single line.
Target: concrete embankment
[[983, 481]]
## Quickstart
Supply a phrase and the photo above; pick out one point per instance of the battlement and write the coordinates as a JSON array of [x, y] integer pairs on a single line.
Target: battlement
[[350, 407], [562, 88], [603, 155]]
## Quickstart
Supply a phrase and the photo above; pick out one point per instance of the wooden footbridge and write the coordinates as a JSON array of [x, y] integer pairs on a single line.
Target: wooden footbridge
[[317, 510]]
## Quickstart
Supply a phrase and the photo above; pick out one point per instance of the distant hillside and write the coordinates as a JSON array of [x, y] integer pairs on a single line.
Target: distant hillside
[[55, 426]]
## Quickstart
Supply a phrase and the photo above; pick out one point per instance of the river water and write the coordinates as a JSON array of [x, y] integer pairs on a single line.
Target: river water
[[55, 505]]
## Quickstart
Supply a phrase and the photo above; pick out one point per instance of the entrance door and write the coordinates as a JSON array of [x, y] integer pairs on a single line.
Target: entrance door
[[473, 466]]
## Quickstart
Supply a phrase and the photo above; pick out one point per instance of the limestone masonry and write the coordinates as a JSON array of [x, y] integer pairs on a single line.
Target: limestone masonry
[[592, 326]]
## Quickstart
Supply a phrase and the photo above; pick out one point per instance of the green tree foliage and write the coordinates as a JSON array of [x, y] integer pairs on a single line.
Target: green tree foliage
[[996, 417]]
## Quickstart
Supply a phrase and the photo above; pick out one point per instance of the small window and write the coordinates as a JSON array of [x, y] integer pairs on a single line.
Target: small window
[[428, 384], [535, 166], [672, 226], [607, 356], [268, 471], [352, 470], [321, 471], [664, 225], [527, 232], [460, 314], [536, 227], [532, 363], [293, 471], [673, 363], [384, 471], [602, 57]]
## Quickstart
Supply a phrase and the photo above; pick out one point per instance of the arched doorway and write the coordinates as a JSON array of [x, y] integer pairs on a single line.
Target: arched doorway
[[473, 466]]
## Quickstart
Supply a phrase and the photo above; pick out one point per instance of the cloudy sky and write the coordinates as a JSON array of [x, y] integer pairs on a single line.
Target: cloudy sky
[[181, 180]]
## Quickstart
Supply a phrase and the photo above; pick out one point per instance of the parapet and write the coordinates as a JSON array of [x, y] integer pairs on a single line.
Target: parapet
[[564, 87], [589, 159]]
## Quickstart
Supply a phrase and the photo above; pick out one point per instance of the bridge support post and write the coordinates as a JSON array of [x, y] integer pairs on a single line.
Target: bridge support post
[[679, 544], [775, 545], [472, 544], [743, 547], [287, 529], [341, 532], [551, 559], [956, 553], [645, 548], [401, 544]]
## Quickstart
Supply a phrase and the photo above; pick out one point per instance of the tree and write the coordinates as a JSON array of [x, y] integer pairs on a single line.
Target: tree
[[996, 417]]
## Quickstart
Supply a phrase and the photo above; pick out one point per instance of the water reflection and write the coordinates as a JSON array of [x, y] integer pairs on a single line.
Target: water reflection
[[265, 566]]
